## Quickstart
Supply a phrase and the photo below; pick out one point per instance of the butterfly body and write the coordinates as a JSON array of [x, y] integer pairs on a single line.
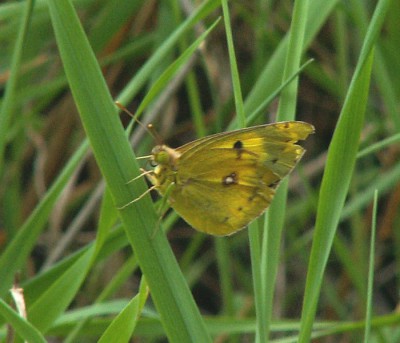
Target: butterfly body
[[220, 183]]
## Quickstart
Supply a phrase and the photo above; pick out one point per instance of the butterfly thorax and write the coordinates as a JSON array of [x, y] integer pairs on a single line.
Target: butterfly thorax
[[165, 160]]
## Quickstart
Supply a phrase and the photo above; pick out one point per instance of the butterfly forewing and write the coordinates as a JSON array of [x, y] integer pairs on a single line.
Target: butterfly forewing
[[224, 181]]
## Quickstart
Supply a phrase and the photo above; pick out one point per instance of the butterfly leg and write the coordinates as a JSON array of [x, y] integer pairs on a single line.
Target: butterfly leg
[[138, 198], [144, 172]]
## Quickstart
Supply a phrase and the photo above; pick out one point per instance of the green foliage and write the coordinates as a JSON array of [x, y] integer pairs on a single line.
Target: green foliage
[[313, 267]]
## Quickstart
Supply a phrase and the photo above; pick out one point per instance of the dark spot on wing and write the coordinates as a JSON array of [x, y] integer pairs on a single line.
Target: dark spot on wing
[[230, 179], [274, 160], [238, 145]]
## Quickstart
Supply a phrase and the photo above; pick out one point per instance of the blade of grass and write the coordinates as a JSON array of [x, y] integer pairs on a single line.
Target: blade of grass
[[143, 74], [21, 326], [338, 171], [122, 327], [222, 247], [119, 278], [379, 145], [35, 287], [171, 71], [271, 76], [179, 314], [240, 114], [334, 189], [106, 28], [275, 217], [17, 251], [258, 111], [54, 301], [368, 315], [384, 184], [382, 69], [10, 100]]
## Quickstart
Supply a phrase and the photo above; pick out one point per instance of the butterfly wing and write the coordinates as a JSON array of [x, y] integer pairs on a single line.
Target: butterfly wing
[[224, 181]]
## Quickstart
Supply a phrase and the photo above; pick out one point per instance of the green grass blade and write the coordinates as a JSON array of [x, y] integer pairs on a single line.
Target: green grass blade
[[179, 314], [368, 315], [287, 103], [144, 73], [379, 146], [334, 188], [338, 172], [122, 327], [10, 100], [275, 218], [22, 244], [240, 114], [271, 76], [22, 327], [171, 71], [54, 301]]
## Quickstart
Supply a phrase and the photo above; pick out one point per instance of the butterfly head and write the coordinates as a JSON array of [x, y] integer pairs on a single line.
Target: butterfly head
[[165, 162], [165, 156]]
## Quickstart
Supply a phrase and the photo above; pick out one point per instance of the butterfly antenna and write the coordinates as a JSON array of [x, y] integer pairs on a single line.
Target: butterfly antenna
[[155, 134], [149, 128]]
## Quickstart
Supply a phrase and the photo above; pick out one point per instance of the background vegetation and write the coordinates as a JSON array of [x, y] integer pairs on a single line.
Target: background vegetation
[[324, 261]]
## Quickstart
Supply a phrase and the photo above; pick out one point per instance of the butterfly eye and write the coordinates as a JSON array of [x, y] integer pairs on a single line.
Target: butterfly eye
[[153, 164]]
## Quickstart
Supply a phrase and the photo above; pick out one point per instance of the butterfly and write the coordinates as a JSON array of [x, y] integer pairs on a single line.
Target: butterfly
[[220, 183]]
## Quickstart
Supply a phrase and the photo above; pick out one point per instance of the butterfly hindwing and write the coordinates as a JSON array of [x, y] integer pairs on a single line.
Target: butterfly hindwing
[[215, 209]]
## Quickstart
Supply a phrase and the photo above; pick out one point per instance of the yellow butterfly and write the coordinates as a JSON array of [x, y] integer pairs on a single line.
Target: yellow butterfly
[[220, 183]]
